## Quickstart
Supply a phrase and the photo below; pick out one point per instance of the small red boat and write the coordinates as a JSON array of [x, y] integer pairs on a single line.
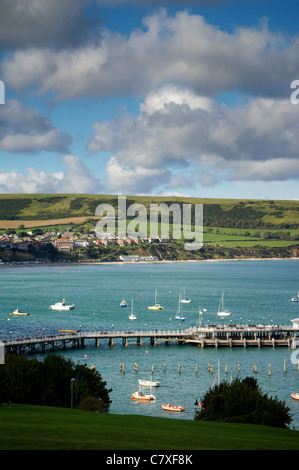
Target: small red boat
[[173, 408]]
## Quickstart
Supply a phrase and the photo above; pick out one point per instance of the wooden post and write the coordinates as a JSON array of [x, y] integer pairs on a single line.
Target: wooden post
[[269, 368], [164, 367], [285, 366]]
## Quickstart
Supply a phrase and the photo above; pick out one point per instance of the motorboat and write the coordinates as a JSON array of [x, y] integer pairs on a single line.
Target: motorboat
[[62, 306], [293, 299], [295, 396], [156, 306], [21, 314], [142, 397], [222, 312], [173, 408], [123, 303], [132, 316], [148, 383]]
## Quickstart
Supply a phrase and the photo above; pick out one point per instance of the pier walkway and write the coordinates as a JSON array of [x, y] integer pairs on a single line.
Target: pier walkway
[[202, 336]]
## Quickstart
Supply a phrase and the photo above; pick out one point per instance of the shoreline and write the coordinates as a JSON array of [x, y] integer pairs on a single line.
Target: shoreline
[[111, 263]]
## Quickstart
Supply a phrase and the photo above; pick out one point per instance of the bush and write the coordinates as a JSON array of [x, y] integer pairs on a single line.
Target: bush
[[243, 402]]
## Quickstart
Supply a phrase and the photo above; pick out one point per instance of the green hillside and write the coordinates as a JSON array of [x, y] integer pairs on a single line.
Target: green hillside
[[261, 214]]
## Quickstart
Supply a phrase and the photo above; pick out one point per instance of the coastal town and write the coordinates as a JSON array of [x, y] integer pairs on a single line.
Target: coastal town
[[67, 242]]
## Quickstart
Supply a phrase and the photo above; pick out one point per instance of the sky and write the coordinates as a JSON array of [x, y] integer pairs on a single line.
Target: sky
[[174, 98]]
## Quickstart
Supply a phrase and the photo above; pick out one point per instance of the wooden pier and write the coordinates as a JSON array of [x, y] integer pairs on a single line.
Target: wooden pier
[[203, 336]]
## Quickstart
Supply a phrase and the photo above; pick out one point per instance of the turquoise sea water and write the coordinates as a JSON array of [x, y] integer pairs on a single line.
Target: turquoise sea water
[[255, 291]]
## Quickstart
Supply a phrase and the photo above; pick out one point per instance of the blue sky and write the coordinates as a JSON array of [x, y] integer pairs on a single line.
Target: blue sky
[[149, 97]]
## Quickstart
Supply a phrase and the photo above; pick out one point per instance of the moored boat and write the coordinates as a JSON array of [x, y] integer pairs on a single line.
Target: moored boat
[[132, 316], [173, 408], [123, 303], [142, 397], [185, 300], [223, 312], [295, 396], [156, 306], [148, 383], [62, 306], [21, 314], [179, 316]]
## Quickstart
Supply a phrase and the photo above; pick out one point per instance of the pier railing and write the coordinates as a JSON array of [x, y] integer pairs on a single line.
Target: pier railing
[[208, 335]]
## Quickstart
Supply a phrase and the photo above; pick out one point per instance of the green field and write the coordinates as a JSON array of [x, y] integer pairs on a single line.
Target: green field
[[25, 427]]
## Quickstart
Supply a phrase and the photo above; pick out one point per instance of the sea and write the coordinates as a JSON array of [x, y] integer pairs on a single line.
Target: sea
[[255, 291]]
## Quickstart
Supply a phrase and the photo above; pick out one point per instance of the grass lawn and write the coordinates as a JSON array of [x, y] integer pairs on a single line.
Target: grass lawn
[[24, 427]]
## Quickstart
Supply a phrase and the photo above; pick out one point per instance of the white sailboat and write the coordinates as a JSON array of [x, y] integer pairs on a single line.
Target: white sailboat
[[223, 312], [132, 316], [179, 316], [185, 300], [156, 306]]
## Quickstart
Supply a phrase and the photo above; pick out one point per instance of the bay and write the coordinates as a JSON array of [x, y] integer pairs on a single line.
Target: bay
[[256, 291]]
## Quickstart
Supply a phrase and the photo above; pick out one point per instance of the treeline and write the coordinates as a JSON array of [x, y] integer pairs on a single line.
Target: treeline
[[50, 382], [170, 251]]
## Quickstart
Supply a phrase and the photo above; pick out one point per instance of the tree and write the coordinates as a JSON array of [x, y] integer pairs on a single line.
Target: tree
[[48, 382], [243, 402]]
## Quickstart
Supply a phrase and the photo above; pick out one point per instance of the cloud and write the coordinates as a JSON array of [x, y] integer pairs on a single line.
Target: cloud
[[23, 129], [40, 23], [134, 179], [177, 131], [76, 179], [182, 49]]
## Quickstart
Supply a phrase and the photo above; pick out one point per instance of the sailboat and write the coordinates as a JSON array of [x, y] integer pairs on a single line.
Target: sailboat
[[156, 306], [132, 316], [179, 316], [184, 300], [222, 312]]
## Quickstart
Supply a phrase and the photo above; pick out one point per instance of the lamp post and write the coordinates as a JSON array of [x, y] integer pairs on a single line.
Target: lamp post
[[72, 398]]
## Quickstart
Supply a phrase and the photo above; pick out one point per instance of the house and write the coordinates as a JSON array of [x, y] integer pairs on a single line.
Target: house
[[64, 244]]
